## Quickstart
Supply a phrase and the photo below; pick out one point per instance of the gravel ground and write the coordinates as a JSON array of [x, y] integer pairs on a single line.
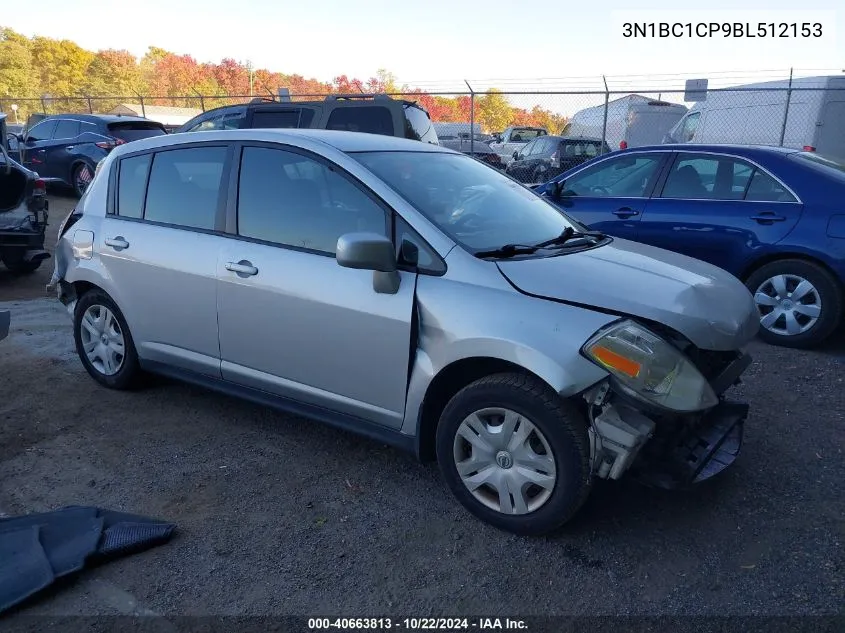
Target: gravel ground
[[280, 515]]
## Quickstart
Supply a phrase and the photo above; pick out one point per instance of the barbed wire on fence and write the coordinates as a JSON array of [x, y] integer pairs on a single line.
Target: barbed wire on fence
[[774, 115]]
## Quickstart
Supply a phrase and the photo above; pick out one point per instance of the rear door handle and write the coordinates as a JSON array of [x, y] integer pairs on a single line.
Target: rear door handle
[[766, 217], [117, 243], [243, 268], [625, 212]]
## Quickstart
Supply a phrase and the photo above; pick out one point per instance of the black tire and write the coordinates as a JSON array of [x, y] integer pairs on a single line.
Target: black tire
[[829, 293], [129, 374], [76, 181], [21, 267], [564, 428]]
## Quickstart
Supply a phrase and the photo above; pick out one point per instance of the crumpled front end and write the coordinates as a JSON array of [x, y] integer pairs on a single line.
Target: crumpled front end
[[663, 446]]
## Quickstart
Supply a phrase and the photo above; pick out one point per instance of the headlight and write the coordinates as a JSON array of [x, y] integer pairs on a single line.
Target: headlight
[[650, 368]]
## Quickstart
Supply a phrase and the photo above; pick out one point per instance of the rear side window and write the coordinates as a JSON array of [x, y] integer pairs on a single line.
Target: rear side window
[[764, 188], [131, 185], [66, 129], [184, 187], [371, 119], [135, 130], [292, 118]]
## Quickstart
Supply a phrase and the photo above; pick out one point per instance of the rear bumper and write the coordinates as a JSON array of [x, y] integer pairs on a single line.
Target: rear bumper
[[697, 453]]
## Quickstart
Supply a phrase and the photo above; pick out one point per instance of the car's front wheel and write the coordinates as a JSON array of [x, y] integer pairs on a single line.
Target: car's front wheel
[[799, 302], [515, 454], [103, 341]]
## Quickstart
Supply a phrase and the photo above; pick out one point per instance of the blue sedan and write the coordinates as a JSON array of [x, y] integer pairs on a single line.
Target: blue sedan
[[774, 217]]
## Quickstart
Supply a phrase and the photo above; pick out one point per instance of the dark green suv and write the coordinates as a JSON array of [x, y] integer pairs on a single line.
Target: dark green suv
[[376, 114]]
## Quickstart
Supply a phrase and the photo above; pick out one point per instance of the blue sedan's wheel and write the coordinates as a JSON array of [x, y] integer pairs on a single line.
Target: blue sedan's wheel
[[799, 302]]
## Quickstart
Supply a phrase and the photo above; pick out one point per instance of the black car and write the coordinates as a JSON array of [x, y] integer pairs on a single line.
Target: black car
[[376, 114], [66, 148], [23, 213], [547, 156], [479, 147]]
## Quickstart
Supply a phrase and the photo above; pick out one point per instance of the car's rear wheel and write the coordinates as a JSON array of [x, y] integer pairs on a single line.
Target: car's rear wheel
[[514, 453], [103, 341], [82, 176], [799, 302]]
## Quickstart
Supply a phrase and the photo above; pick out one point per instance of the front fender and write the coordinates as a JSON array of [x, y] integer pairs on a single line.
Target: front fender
[[462, 321]]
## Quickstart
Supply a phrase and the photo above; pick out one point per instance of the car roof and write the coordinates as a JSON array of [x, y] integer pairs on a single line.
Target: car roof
[[340, 140], [716, 148], [93, 118]]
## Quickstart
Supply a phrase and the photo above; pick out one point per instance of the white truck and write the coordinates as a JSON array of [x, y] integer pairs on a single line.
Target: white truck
[[632, 121], [754, 114], [513, 139]]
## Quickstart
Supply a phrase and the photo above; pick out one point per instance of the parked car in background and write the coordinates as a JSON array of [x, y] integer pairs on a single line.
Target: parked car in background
[[513, 139], [774, 217], [406, 292], [754, 114], [475, 147], [65, 148], [373, 113], [457, 129], [23, 213], [632, 121], [547, 156]]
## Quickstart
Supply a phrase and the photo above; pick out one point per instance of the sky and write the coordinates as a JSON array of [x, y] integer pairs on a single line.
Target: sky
[[436, 44]]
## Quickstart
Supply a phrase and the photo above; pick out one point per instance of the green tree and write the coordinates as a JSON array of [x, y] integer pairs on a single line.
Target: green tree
[[15, 65], [113, 73], [60, 66], [493, 110]]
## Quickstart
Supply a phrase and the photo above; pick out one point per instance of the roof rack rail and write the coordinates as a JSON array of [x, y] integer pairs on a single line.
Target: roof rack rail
[[263, 100], [340, 97]]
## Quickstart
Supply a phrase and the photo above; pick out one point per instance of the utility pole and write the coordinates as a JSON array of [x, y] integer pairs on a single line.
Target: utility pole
[[251, 76]]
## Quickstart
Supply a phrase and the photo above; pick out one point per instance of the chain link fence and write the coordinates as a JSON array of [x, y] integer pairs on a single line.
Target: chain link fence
[[801, 115]]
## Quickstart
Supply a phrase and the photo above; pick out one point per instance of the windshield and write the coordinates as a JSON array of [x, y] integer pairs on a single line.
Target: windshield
[[476, 206]]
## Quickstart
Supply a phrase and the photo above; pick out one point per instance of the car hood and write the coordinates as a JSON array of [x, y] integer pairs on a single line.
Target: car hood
[[706, 304]]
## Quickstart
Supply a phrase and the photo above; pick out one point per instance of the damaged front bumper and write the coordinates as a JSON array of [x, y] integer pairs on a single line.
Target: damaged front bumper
[[665, 449]]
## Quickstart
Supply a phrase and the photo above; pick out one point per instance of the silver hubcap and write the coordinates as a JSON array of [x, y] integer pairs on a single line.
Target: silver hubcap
[[788, 304], [102, 340], [504, 461]]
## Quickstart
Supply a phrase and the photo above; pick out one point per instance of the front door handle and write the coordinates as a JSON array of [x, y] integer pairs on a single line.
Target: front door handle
[[117, 243], [767, 217], [243, 268], [625, 212], [69, 147]]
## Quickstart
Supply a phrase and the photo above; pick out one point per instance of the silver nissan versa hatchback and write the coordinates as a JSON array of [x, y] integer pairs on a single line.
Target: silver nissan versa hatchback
[[416, 296]]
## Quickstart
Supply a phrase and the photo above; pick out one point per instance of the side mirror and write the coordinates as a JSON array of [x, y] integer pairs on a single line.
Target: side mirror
[[370, 251], [556, 190], [516, 155]]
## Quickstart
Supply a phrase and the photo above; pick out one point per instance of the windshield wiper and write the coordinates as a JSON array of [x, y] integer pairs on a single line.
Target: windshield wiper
[[512, 250]]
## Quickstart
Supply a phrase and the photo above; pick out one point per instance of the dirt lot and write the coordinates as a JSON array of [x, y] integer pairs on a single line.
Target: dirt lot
[[279, 515]]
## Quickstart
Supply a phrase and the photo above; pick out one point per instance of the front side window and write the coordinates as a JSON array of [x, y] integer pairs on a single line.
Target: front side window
[[184, 186], [475, 206], [690, 125], [42, 131], [371, 119], [620, 177], [293, 200]]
